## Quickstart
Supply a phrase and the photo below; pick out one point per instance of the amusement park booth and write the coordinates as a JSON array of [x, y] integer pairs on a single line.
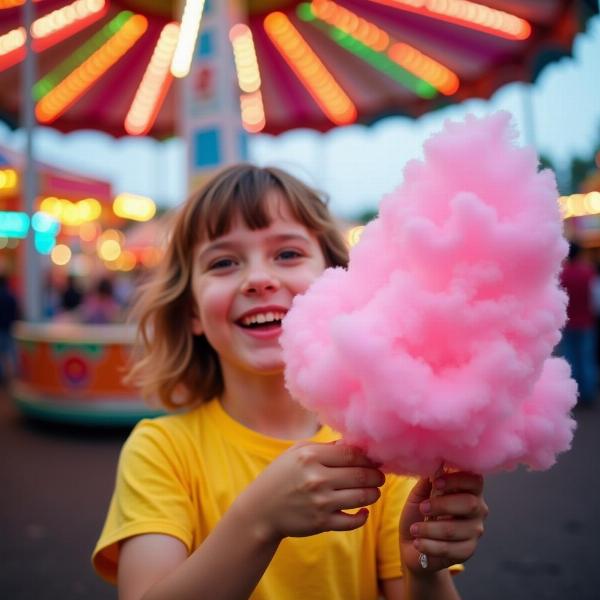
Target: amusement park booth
[[67, 371]]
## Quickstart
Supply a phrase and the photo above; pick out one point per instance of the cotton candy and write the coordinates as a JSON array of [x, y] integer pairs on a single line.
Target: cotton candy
[[435, 345]]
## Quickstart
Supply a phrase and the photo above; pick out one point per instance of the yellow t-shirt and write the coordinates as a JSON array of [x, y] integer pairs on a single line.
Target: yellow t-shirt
[[179, 474]]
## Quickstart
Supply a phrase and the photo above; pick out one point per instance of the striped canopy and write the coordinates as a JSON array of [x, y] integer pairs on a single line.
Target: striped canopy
[[321, 63]]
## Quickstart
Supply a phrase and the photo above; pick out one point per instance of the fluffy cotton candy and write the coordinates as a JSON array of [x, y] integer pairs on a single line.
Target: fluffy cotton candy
[[435, 345]]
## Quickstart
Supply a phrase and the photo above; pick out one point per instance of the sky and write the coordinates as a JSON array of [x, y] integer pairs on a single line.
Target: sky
[[354, 165]]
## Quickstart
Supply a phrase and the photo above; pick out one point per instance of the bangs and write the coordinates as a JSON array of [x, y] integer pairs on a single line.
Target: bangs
[[247, 200], [246, 197]]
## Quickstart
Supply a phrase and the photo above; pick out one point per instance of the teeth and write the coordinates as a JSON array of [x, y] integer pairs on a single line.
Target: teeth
[[260, 318]]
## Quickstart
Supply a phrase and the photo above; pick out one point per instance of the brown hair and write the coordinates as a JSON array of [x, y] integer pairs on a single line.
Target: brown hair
[[171, 363]]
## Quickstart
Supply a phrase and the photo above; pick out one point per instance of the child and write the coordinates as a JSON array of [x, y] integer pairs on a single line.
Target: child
[[225, 500]]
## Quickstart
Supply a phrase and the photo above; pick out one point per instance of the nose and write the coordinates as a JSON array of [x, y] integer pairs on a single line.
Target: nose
[[259, 281]]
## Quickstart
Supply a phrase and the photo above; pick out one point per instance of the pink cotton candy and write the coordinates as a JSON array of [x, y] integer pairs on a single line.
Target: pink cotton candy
[[435, 345]]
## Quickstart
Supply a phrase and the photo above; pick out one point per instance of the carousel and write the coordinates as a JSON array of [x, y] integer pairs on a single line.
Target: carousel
[[318, 64]]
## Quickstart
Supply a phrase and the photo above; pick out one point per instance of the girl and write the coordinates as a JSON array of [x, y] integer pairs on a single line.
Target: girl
[[224, 500]]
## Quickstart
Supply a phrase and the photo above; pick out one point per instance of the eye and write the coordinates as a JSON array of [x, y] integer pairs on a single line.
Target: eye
[[221, 263], [289, 254]]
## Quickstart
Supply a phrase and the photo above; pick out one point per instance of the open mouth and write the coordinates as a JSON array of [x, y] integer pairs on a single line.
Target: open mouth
[[262, 321]]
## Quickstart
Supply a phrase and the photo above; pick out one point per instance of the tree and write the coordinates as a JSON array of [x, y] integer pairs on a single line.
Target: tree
[[580, 168]]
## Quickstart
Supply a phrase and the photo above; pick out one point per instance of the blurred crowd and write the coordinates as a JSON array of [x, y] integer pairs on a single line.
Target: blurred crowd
[[102, 301]]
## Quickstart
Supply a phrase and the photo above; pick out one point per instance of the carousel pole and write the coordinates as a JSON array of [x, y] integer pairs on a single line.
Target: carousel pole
[[210, 121], [33, 287]]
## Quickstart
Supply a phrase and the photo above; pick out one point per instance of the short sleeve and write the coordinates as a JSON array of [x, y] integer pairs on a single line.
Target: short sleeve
[[396, 492], [151, 496]]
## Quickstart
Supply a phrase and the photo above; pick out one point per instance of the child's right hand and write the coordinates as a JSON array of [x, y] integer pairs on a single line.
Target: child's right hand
[[304, 491]]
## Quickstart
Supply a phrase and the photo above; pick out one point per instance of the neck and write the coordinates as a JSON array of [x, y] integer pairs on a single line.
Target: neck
[[263, 404]]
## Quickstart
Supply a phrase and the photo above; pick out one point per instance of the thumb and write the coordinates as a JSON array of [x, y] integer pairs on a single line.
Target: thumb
[[411, 513]]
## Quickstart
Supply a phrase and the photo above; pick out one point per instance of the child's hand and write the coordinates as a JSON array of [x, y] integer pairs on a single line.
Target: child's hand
[[455, 522], [305, 490]]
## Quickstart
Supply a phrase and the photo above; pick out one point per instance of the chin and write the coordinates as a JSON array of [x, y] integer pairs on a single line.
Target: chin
[[268, 368]]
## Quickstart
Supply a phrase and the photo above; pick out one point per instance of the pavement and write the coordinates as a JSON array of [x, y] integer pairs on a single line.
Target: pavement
[[55, 484]]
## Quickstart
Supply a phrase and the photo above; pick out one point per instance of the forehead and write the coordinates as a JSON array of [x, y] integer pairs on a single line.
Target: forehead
[[275, 208], [277, 222], [252, 211]]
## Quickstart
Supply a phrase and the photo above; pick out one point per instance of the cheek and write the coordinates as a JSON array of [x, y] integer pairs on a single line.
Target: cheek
[[308, 278], [209, 301], [214, 307], [299, 287]]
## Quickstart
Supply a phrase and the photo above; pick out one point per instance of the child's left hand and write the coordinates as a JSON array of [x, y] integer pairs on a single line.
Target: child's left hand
[[455, 522]]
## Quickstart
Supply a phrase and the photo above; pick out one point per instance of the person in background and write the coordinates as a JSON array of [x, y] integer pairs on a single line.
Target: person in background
[[124, 289], [9, 313], [100, 307], [578, 343], [71, 296]]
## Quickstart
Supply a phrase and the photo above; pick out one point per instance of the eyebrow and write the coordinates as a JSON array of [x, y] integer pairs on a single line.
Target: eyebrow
[[280, 238]]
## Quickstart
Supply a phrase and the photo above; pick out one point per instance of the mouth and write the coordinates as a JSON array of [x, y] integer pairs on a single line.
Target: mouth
[[262, 321]]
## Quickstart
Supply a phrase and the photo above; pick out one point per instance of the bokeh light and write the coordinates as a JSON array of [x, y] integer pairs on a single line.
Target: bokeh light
[[60, 255]]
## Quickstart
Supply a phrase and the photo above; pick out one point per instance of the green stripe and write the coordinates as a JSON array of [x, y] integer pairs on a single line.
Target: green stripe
[[109, 416], [378, 60], [62, 71]]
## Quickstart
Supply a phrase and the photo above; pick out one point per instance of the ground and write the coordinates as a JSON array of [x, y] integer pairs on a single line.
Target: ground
[[55, 481]]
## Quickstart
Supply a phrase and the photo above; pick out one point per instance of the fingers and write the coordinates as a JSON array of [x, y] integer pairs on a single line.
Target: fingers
[[355, 477], [448, 530], [349, 499], [453, 517], [448, 540], [345, 488], [420, 492], [339, 454], [459, 481], [341, 521], [450, 552], [456, 505], [455, 494]]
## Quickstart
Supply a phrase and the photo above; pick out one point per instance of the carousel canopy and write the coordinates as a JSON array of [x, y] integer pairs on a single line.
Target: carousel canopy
[[316, 64]]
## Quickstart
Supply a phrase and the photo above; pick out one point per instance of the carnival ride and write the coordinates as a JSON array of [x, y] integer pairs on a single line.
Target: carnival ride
[[105, 64]]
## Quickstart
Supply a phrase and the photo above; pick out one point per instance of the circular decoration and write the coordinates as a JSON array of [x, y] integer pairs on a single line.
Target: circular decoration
[[75, 371]]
